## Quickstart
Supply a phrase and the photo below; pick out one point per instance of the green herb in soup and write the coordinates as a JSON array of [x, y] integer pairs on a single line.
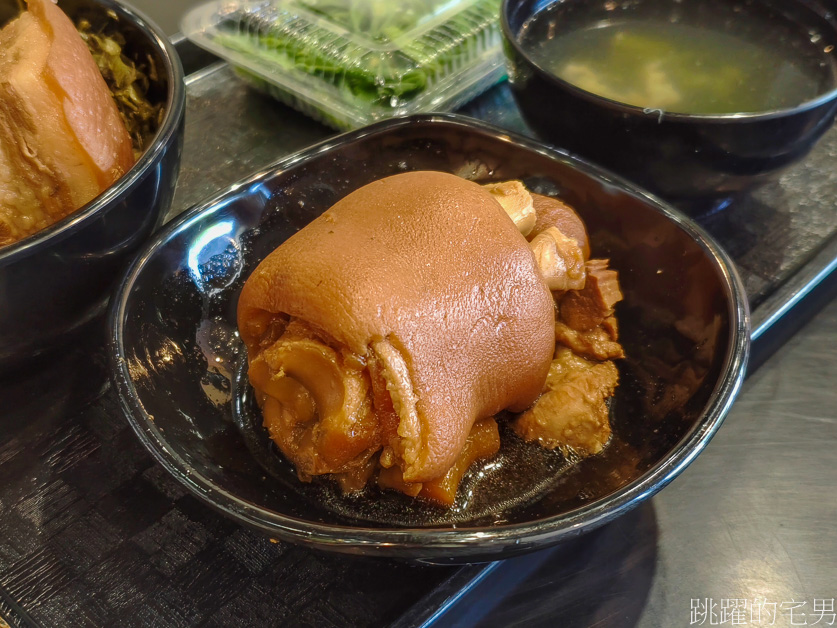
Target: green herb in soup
[[681, 68]]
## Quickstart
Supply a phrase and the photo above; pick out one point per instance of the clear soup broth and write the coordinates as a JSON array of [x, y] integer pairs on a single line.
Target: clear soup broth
[[736, 59]]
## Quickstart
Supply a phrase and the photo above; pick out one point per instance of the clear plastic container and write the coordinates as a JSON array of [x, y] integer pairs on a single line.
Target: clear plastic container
[[351, 62]]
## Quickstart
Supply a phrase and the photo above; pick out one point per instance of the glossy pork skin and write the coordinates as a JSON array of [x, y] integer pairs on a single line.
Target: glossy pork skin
[[424, 273], [62, 141]]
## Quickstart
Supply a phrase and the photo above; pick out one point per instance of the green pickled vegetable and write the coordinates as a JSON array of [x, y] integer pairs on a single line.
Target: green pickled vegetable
[[128, 81]]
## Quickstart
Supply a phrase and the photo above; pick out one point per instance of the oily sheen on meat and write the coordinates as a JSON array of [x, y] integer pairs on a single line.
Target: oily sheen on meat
[[385, 337]]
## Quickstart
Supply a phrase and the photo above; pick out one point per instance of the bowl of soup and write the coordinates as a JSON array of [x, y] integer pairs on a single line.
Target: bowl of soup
[[696, 101]]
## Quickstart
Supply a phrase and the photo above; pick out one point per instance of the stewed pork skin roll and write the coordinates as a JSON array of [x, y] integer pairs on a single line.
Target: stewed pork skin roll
[[391, 324]]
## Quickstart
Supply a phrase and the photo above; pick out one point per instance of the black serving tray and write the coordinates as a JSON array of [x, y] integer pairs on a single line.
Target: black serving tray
[[94, 533]]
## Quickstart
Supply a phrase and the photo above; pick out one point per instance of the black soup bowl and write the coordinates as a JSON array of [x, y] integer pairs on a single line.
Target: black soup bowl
[[54, 281], [177, 361], [695, 161]]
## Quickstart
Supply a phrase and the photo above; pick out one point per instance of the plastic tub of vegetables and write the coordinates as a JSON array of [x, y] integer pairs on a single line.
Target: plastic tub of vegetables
[[351, 62]]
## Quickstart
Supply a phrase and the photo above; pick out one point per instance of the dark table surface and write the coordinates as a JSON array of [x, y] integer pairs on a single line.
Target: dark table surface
[[94, 533], [744, 535]]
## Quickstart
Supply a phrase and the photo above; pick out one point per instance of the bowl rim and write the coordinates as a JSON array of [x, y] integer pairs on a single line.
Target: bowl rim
[[435, 542], [174, 107], [512, 39]]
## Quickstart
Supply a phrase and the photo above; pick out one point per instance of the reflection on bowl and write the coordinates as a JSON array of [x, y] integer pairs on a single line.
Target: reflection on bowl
[[57, 279], [687, 148], [175, 351]]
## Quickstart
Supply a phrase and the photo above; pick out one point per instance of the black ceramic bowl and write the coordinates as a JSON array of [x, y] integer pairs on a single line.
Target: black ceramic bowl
[[692, 160], [177, 359], [57, 279]]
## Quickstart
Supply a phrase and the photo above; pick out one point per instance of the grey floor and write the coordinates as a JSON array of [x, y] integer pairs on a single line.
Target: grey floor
[[166, 13]]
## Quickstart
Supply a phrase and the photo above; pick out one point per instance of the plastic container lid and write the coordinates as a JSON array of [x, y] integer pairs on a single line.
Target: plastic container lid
[[351, 62]]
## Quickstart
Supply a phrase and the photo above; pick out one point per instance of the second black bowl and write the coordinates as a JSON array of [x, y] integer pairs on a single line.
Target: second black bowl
[[175, 350], [692, 160], [58, 279]]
